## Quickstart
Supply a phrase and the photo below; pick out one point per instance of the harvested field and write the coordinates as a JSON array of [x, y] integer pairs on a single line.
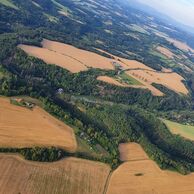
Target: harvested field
[[68, 176], [76, 60], [21, 127], [163, 78], [166, 52], [131, 151], [52, 57], [67, 56], [143, 176], [186, 131]]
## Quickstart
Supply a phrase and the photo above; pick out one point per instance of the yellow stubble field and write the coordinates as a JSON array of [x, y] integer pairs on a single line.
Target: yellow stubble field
[[140, 175], [68, 176], [21, 127], [76, 60]]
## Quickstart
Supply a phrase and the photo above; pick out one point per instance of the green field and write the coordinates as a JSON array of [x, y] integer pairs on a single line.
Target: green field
[[62, 7], [186, 131], [8, 3], [123, 77], [139, 29], [51, 18]]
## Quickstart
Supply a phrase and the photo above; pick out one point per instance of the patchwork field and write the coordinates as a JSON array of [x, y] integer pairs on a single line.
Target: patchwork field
[[76, 60], [67, 56], [69, 176], [142, 176], [180, 45], [186, 131], [21, 127]]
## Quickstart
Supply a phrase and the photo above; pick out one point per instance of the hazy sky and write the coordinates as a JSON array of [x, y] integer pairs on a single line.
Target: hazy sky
[[181, 10]]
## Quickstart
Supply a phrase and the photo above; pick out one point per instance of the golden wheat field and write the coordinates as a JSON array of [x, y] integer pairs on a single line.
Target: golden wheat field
[[68, 176], [111, 80], [22, 127], [139, 175], [76, 60]]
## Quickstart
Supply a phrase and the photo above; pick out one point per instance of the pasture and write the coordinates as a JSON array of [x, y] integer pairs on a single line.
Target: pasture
[[186, 131]]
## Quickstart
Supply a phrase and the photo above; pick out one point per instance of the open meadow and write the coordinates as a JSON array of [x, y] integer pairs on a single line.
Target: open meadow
[[21, 127], [186, 131], [68, 176]]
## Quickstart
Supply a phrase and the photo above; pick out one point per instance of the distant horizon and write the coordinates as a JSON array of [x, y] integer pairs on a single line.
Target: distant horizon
[[182, 11]]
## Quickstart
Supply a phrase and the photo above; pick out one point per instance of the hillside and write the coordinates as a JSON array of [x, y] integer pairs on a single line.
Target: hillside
[[21, 127], [78, 80]]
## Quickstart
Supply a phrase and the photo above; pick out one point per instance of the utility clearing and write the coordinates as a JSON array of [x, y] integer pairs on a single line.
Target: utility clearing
[[139, 175], [21, 127], [76, 60], [68, 176]]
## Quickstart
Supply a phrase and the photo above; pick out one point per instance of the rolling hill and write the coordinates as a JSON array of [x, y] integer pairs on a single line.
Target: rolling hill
[[85, 78]]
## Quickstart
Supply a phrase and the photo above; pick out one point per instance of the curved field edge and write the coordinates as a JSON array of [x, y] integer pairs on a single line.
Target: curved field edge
[[186, 131], [140, 175], [68, 176], [22, 127], [53, 52], [52, 152]]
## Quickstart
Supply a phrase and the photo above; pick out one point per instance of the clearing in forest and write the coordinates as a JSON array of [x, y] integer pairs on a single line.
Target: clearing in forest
[[21, 127], [68, 176], [139, 175], [186, 131]]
